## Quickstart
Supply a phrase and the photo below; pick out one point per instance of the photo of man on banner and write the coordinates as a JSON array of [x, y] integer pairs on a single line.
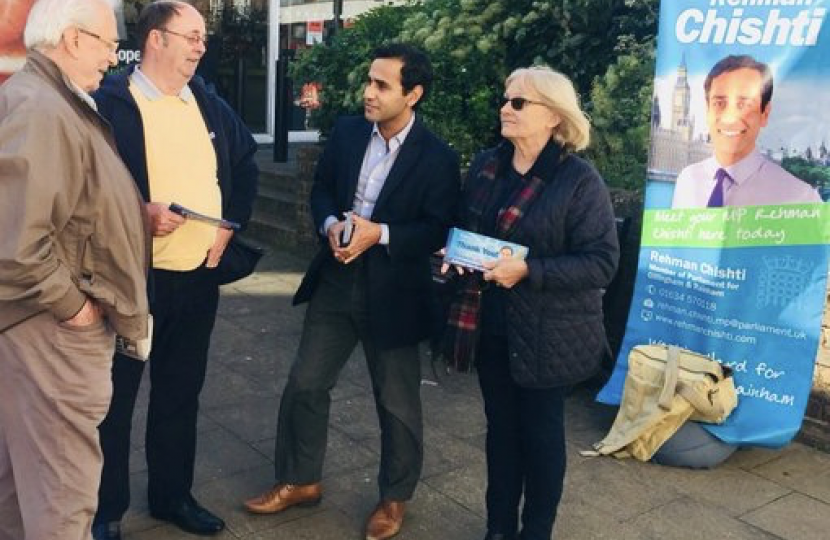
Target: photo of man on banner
[[739, 93], [733, 258]]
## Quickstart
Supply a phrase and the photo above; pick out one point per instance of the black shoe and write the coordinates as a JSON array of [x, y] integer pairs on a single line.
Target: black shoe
[[499, 536], [190, 516], [107, 531]]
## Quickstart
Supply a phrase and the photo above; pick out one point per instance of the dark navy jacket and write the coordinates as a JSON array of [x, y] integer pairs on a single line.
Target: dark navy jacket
[[417, 202], [237, 172], [555, 332]]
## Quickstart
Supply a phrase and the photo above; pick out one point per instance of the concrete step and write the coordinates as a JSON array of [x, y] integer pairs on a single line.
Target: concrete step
[[276, 203], [271, 231], [281, 181], [264, 158]]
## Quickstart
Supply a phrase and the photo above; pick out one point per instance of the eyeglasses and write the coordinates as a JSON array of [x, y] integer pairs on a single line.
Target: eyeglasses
[[111, 45], [518, 103], [192, 39]]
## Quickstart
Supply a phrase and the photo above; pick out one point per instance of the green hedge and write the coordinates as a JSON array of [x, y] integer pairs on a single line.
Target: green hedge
[[605, 46]]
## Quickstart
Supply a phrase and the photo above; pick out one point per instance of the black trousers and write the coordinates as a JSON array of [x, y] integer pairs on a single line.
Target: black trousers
[[336, 319], [525, 447], [184, 310]]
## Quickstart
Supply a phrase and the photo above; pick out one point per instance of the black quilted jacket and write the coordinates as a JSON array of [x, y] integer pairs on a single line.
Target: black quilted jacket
[[555, 332]]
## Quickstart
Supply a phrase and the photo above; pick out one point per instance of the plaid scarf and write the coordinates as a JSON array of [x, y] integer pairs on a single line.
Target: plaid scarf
[[461, 337]]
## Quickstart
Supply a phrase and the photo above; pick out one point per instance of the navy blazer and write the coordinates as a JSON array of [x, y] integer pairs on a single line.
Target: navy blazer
[[417, 202]]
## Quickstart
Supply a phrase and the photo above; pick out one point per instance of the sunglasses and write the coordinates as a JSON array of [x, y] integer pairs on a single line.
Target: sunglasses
[[518, 103]]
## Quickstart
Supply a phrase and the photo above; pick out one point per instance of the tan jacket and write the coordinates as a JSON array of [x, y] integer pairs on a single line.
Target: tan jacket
[[72, 223]]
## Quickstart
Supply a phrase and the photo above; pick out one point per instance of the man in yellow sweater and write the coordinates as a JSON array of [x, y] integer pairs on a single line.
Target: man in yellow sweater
[[183, 145]]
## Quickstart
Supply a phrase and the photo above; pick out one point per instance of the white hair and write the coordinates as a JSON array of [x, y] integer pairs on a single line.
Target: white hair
[[558, 94], [49, 18]]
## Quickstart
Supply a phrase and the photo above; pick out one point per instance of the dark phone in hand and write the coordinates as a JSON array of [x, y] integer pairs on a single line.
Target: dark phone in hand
[[346, 235]]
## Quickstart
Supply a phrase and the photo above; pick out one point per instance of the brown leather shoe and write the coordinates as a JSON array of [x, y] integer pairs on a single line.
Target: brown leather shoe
[[385, 521], [284, 496]]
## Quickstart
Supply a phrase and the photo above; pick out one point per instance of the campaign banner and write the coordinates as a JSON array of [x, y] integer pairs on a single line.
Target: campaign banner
[[733, 259]]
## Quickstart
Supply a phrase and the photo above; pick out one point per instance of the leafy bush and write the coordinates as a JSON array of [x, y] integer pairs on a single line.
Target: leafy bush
[[815, 174], [620, 111], [605, 46], [465, 42], [341, 65]]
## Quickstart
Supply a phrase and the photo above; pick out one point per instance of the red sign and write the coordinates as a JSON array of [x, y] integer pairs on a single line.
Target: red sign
[[310, 95], [313, 32]]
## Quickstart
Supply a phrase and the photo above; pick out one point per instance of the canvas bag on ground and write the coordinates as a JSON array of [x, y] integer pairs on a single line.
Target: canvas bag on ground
[[665, 387]]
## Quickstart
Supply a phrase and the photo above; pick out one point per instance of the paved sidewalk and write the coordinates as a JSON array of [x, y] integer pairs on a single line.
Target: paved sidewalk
[[757, 495]]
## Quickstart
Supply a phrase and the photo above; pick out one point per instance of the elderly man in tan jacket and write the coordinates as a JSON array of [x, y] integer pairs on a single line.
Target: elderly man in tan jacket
[[73, 258]]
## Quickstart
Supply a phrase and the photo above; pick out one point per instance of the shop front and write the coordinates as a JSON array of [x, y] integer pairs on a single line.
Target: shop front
[[245, 39], [239, 60], [240, 57]]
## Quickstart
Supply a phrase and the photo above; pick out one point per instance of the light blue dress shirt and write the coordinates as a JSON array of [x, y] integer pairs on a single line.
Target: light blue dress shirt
[[756, 180], [378, 160]]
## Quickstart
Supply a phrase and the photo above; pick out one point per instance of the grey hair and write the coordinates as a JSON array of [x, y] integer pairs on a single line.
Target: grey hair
[[49, 18]]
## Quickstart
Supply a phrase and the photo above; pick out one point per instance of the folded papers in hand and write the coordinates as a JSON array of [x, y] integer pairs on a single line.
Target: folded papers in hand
[[471, 250]]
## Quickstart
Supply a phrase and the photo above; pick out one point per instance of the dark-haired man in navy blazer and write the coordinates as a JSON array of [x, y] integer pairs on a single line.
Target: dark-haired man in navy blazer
[[399, 183]]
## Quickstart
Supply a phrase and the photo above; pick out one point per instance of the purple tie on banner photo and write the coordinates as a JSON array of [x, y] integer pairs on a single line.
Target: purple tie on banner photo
[[716, 198]]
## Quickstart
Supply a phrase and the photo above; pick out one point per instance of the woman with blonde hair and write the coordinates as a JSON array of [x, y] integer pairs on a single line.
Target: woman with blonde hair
[[533, 327]]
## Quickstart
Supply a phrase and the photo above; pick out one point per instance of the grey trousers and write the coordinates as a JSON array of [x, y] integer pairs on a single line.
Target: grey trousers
[[55, 389], [337, 318]]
